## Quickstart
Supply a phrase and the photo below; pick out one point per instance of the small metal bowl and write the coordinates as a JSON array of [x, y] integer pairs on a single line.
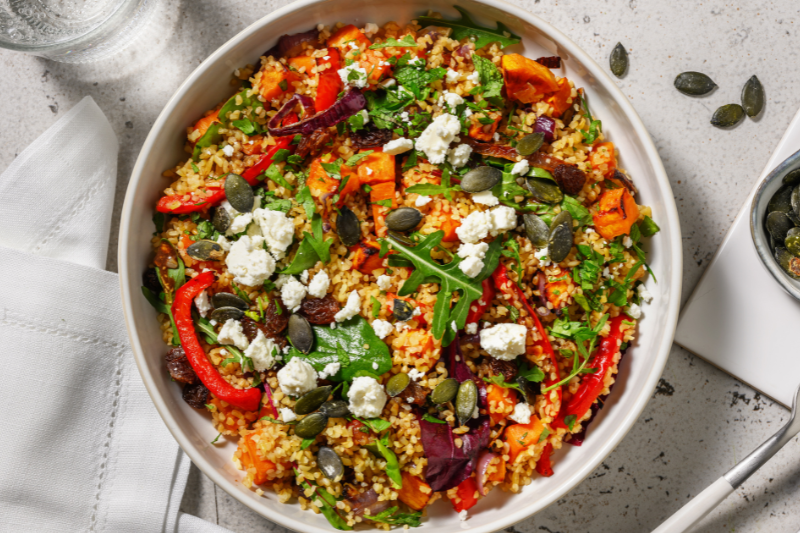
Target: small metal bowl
[[758, 215]]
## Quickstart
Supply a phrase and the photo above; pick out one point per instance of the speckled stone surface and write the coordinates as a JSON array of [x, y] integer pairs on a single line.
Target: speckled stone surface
[[700, 421]]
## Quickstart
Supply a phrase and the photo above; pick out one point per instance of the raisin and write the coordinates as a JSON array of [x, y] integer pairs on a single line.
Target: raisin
[[550, 62], [150, 280], [313, 144], [196, 395], [179, 367], [250, 328], [320, 310], [275, 322], [370, 137], [506, 368], [414, 394], [570, 179]]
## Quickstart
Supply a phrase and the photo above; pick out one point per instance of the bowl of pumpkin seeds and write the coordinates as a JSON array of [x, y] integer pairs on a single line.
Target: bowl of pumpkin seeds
[[775, 223]]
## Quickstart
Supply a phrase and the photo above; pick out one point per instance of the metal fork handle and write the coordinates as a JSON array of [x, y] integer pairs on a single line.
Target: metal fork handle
[[739, 473]]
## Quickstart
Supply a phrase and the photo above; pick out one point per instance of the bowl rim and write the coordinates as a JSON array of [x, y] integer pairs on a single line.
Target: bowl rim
[[757, 225], [674, 281]]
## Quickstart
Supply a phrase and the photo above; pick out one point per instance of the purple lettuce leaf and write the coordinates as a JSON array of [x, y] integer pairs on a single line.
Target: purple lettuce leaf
[[458, 369], [449, 465]]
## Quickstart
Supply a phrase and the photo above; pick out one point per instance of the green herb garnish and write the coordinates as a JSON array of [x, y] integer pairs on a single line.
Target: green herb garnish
[[466, 28]]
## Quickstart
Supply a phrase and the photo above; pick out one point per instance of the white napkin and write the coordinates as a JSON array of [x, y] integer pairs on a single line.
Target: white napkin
[[82, 447]]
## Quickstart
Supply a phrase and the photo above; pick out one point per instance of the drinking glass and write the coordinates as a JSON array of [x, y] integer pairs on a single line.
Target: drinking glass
[[71, 31]]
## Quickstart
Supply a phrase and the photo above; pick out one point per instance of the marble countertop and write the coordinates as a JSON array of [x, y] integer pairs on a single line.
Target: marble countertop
[[700, 420]]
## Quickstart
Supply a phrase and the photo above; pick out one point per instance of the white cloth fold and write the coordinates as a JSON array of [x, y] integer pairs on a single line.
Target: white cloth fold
[[83, 448]]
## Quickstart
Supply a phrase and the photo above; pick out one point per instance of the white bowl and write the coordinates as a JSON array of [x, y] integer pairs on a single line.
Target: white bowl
[[208, 85]]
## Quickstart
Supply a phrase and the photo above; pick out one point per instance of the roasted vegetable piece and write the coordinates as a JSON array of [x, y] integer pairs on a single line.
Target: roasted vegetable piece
[[252, 461], [561, 99], [330, 83], [520, 436], [365, 256], [481, 131], [318, 181], [415, 493], [526, 80], [616, 213], [247, 399], [341, 37], [382, 192], [544, 466], [602, 158], [500, 399], [465, 493], [302, 64], [202, 125], [377, 167], [276, 83]]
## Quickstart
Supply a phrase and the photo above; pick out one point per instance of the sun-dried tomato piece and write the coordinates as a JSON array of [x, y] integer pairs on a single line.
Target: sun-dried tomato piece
[[550, 62], [313, 144]]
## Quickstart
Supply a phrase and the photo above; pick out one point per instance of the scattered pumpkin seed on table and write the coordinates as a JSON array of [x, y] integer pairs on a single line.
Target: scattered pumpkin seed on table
[[618, 60], [694, 83], [727, 116], [753, 97]]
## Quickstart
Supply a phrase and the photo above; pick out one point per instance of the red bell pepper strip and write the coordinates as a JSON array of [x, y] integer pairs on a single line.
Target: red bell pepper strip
[[593, 384], [281, 143], [246, 399], [179, 204], [544, 466], [466, 492], [512, 290], [479, 306], [330, 83]]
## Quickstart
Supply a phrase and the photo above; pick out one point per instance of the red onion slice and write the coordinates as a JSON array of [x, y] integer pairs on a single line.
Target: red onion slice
[[547, 126], [291, 45], [351, 103], [305, 101], [480, 470], [268, 392]]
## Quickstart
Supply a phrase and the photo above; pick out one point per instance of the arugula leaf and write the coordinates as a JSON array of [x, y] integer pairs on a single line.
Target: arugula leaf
[[247, 101], [178, 275], [491, 81], [648, 227], [161, 307], [211, 137], [500, 382], [391, 516], [355, 158], [206, 230], [465, 27], [318, 242], [512, 251], [406, 42], [346, 345], [392, 464], [324, 499], [307, 442], [589, 137], [312, 248], [570, 420], [375, 424], [532, 373], [159, 220], [451, 280], [245, 362], [274, 173], [580, 333], [427, 417], [507, 189]]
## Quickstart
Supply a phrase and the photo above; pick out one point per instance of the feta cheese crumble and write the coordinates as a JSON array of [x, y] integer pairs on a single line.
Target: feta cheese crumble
[[261, 351], [522, 414], [436, 138], [415, 374], [232, 333], [297, 377], [451, 99], [330, 370], [422, 200], [463, 515], [202, 303], [353, 75], [635, 311], [382, 328], [485, 198], [370, 28], [504, 341], [227, 150], [288, 415], [366, 396], [521, 168], [541, 255], [471, 328], [472, 255], [479, 224], [384, 282], [452, 76], [277, 229], [475, 77], [459, 155], [398, 146], [503, 219], [240, 223], [318, 287], [249, 262], [304, 277], [644, 294], [350, 309], [627, 242], [292, 294], [225, 243]]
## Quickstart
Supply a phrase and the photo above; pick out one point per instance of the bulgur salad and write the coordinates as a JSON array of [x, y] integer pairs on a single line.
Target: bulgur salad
[[400, 265]]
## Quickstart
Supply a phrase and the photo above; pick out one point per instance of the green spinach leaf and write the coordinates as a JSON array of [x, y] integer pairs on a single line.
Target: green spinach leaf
[[211, 137], [406, 42], [465, 27]]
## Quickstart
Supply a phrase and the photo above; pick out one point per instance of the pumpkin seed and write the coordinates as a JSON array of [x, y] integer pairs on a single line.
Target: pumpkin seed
[[239, 193], [402, 239], [226, 299], [403, 219], [300, 333], [793, 217], [348, 227], [789, 263], [310, 401], [536, 229], [560, 241], [481, 179], [544, 190], [753, 97], [694, 83], [778, 225], [223, 314], [795, 199], [445, 391], [330, 463], [727, 116], [397, 384], [792, 178], [311, 426], [793, 241], [335, 408], [618, 60], [781, 200], [205, 250], [402, 310], [221, 219], [466, 401], [530, 389], [531, 143]]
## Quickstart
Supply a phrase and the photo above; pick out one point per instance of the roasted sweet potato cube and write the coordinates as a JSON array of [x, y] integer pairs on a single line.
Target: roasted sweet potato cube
[[526, 80], [616, 213]]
